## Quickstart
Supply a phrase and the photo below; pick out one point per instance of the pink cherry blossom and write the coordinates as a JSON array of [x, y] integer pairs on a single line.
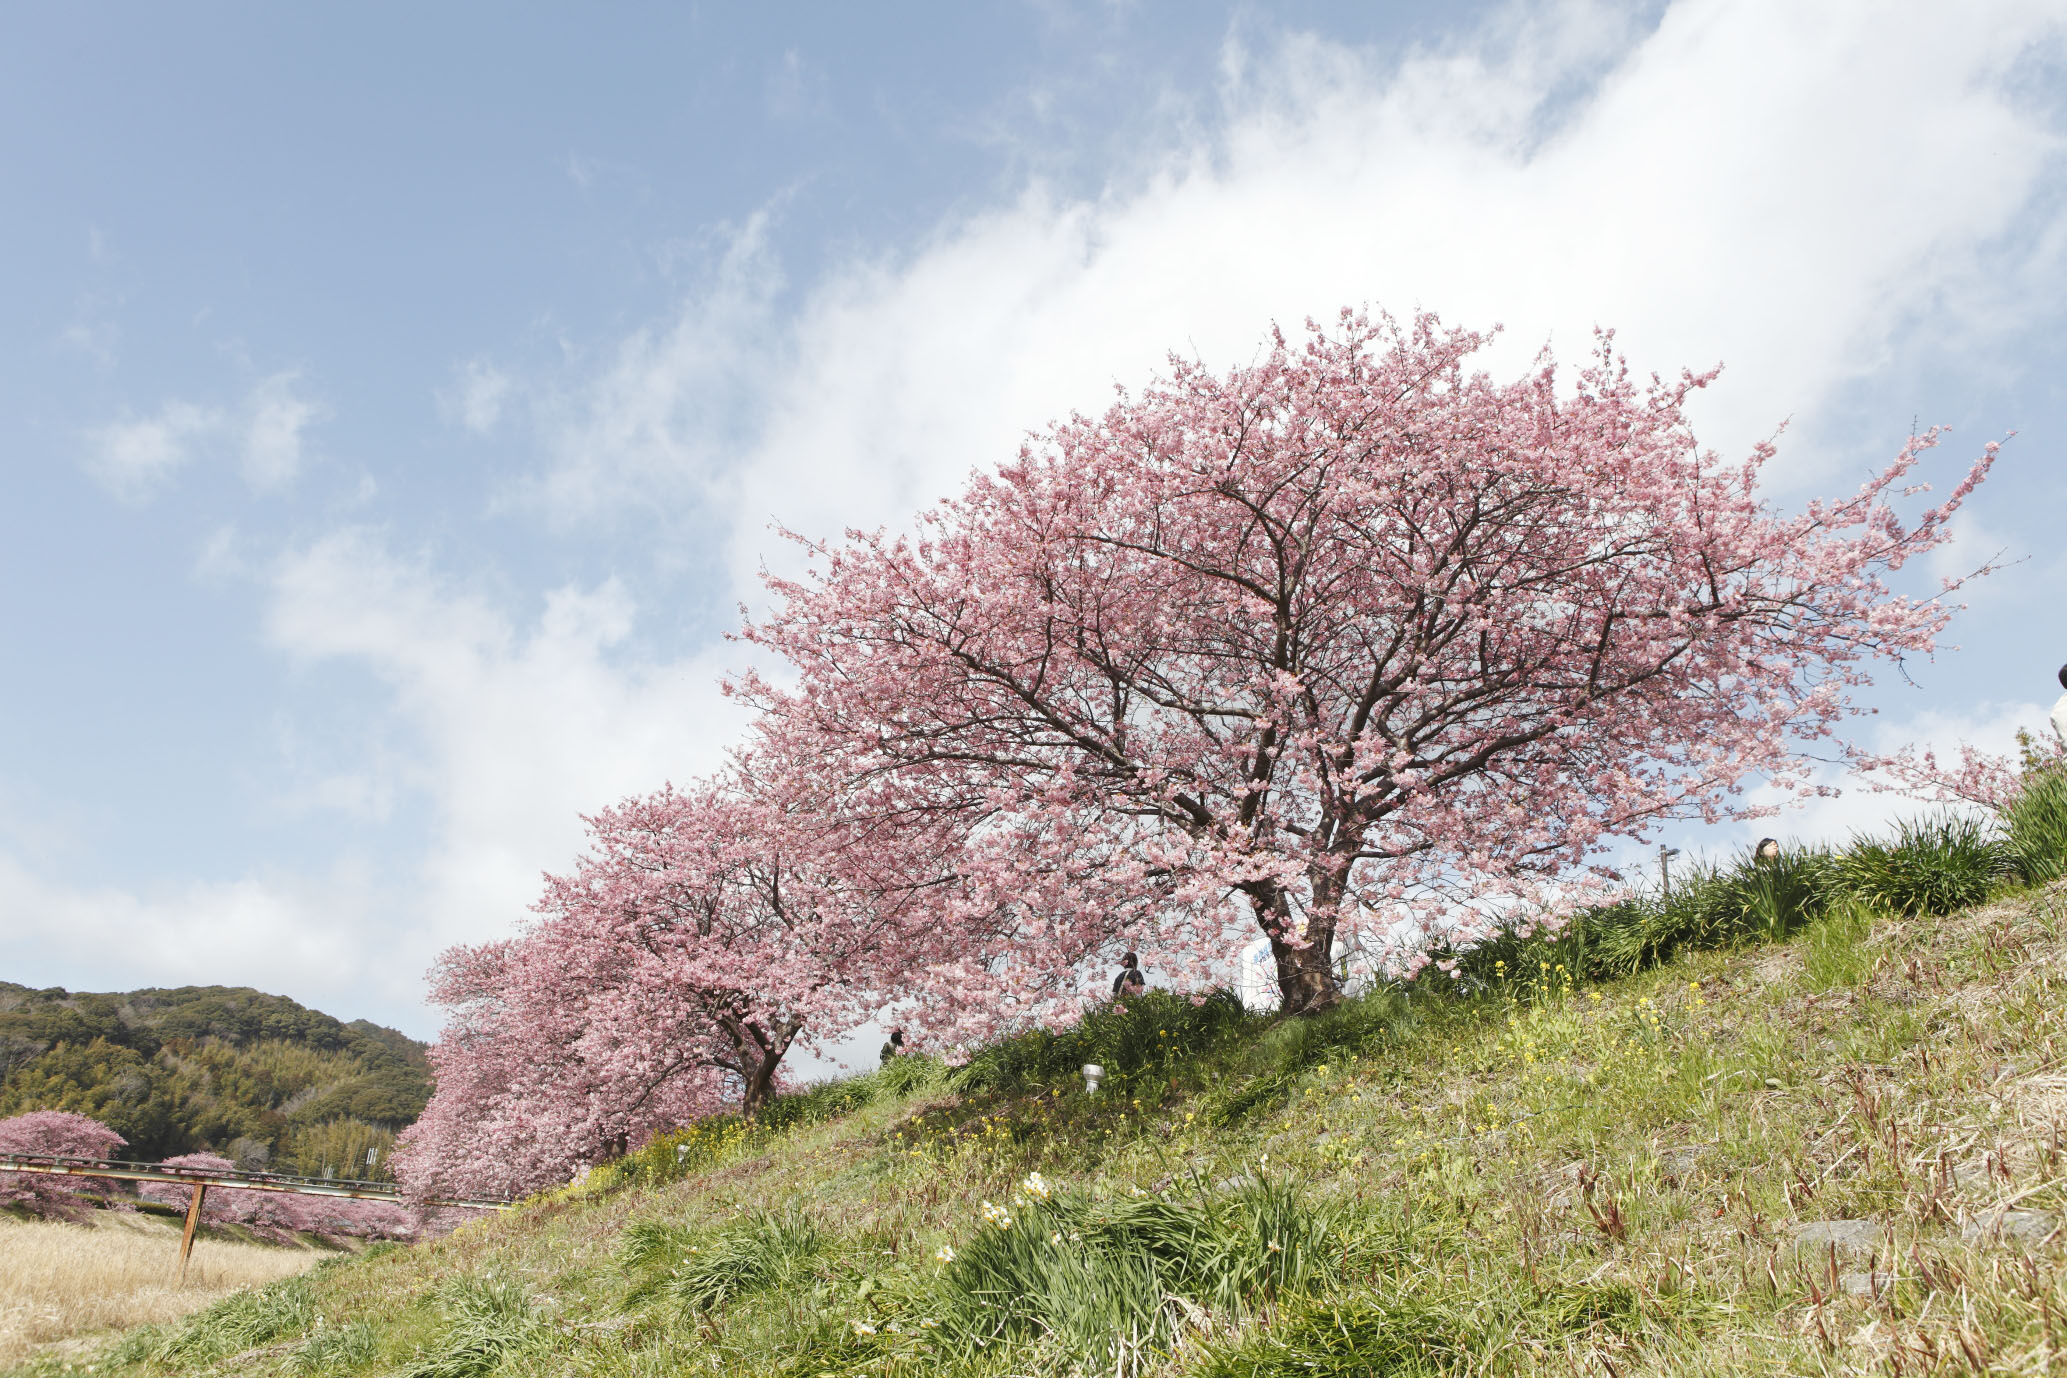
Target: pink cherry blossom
[[666, 977], [279, 1213], [1348, 643], [57, 1134]]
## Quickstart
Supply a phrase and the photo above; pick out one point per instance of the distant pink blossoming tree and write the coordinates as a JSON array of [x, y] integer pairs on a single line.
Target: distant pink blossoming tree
[[1343, 643], [281, 1213], [55, 1134], [666, 978]]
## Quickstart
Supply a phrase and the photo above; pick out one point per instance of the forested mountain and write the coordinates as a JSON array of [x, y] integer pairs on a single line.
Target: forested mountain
[[256, 1077]]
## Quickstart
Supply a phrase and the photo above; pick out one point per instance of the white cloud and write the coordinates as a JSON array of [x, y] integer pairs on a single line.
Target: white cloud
[[477, 395], [516, 726], [302, 937], [1779, 186], [275, 417], [134, 458], [795, 87], [654, 427], [509, 727]]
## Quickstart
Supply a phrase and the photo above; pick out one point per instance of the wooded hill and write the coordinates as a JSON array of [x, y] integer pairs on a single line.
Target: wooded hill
[[256, 1077]]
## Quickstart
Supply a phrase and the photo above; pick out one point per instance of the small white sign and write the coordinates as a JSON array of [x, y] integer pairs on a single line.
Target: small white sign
[[1256, 977]]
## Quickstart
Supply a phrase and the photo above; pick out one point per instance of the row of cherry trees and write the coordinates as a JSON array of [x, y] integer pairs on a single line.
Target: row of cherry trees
[[1351, 644], [67, 1134]]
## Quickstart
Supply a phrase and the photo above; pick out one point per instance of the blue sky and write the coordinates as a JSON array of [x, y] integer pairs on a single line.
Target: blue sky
[[396, 399]]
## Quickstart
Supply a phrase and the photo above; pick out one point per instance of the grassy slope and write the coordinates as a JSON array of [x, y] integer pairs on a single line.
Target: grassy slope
[[1610, 1179]]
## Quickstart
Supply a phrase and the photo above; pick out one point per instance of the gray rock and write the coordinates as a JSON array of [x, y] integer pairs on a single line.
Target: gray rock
[[1853, 1239], [2026, 1227], [1856, 1284]]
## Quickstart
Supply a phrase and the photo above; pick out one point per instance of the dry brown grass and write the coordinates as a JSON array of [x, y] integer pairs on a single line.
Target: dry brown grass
[[62, 1282]]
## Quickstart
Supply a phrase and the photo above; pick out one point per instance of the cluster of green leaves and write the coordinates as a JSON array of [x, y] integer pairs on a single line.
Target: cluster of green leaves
[[256, 1077]]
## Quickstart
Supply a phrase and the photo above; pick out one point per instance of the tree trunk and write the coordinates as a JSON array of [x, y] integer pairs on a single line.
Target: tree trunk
[[760, 1085], [759, 1055], [1307, 983]]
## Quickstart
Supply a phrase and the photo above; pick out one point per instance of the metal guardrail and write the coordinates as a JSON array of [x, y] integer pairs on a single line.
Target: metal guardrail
[[241, 1181]]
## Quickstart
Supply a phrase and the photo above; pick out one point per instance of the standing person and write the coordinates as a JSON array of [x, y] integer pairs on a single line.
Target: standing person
[[894, 1047], [1129, 981], [2060, 710]]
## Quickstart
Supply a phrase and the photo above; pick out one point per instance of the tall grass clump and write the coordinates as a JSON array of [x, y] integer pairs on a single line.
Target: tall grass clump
[[704, 1271], [1409, 1333], [243, 1321], [1932, 866], [1401, 1337], [1713, 907], [1113, 1282], [486, 1322], [2035, 824], [337, 1348]]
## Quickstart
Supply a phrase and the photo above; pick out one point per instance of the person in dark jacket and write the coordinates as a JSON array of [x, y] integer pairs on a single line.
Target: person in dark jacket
[[1129, 980], [894, 1047]]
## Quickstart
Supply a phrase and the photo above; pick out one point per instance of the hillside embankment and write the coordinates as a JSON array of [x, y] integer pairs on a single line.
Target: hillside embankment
[[1839, 1153]]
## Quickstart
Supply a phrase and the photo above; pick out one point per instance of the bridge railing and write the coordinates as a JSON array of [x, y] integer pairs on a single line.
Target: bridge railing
[[242, 1181]]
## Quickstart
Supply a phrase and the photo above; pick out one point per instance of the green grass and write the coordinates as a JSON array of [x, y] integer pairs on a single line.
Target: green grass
[[2035, 825], [487, 1322], [702, 1271], [237, 1323], [1931, 867], [1590, 1155]]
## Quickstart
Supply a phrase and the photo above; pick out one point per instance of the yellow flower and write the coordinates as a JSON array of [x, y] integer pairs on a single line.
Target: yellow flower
[[946, 1254], [1035, 1185]]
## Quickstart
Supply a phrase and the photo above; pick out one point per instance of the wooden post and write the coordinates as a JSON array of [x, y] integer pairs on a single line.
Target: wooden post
[[186, 1242]]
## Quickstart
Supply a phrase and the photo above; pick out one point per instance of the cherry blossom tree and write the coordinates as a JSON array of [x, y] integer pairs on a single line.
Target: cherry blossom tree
[[666, 978], [55, 1134], [1350, 639]]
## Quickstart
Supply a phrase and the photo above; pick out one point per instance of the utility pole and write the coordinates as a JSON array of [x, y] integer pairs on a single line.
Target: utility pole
[[1665, 856]]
